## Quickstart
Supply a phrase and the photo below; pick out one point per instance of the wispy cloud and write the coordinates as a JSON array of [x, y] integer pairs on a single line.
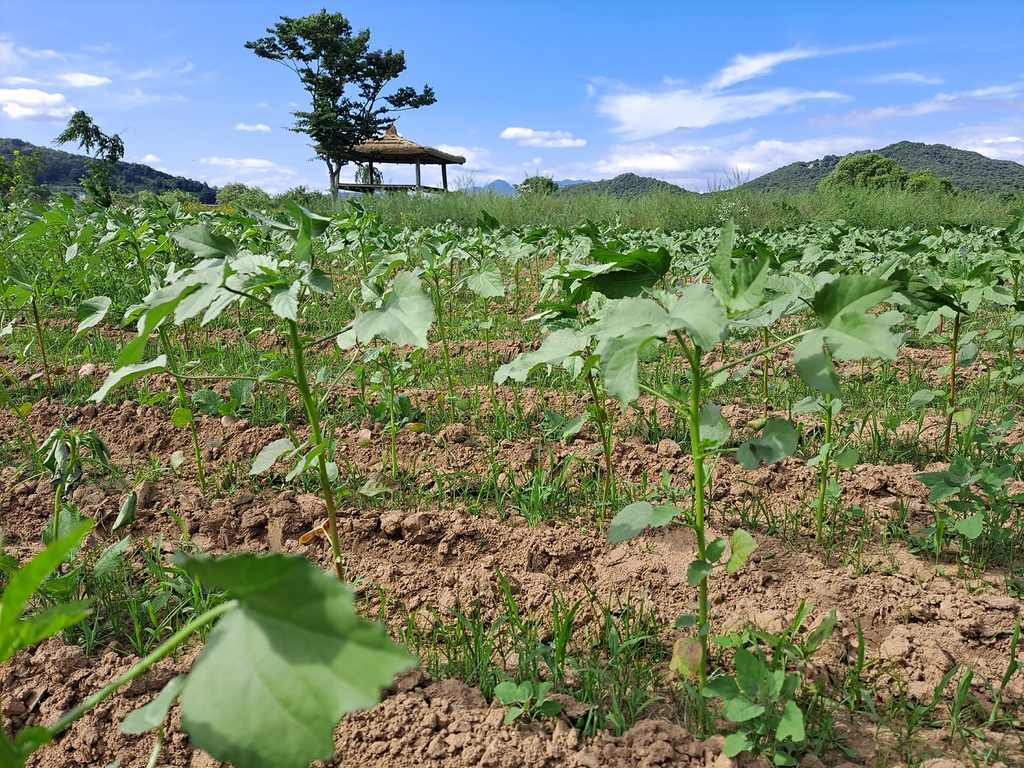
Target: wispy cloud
[[907, 78], [248, 164], [20, 81], [528, 137], [643, 115], [747, 67], [33, 104], [82, 80], [251, 128], [1006, 96]]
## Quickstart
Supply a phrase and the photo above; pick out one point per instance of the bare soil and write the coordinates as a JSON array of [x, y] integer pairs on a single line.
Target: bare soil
[[916, 622]]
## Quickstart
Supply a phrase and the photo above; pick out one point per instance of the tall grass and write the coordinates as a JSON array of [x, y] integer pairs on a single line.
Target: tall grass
[[751, 209]]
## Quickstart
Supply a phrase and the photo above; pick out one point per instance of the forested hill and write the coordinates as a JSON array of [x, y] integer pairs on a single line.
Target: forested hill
[[62, 170], [624, 185], [969, 171]]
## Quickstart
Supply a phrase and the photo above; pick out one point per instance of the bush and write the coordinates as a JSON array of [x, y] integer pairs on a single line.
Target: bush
[[924, 182], [869, 169], [537, 185], [241, 196]]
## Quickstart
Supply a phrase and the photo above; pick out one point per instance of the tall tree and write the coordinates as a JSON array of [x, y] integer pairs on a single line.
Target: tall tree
[[107, 151], [345, 81]]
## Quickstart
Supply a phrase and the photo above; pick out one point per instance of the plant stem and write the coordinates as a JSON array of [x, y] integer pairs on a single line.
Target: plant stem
[[823, 471], [601, 417], [144, 664], [699, 484], [314, 424], [952, 383], [42, 347], [172, 367], [764, 373]]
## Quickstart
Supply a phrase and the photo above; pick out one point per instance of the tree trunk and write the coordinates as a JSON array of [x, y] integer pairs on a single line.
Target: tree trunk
[[333, 172]]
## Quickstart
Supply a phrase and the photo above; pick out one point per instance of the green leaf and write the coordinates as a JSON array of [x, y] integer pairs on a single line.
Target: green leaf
[[284, 300], [205, 244], [856, 336], [737, 743], [17, 633], [750, 671], [207, 401], [714, 427], [720, 265], [153, 715], [778, 441], [741, 709], [266, 458], [406, 318], [697, 571], [111, 558], [814, 366], [128, 373], [742, 546], [821, 633], [847, 458], [723, 687], [715, 550], [971, 527], [635, 271], [181, 417], [126, 516], [700, 313], [91, 312], [791, 726], [625, 328], [850, 294], [507, 692], [279, 672], [563, 347], [487, 282], [637, 516]]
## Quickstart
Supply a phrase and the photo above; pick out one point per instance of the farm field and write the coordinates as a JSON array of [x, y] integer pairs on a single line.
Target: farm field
[[628, 497]]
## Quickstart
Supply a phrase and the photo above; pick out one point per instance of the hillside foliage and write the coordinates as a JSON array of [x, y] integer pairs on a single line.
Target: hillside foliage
[[623, 185]]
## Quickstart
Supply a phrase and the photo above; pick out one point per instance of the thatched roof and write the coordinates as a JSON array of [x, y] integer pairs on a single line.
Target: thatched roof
[[392, 148]]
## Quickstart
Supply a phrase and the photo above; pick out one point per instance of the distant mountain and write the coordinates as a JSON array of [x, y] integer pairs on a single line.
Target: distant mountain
[[623, 185], [969, 171], [62, 171], [496, 187]]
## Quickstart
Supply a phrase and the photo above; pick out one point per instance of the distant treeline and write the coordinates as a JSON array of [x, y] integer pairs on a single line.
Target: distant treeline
[[61, 172]]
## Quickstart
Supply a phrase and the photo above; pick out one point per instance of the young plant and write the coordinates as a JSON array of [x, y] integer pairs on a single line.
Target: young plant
[[288, 647], [526, 700]]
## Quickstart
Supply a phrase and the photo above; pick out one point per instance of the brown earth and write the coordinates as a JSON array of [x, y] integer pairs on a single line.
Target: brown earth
[[917, 623]]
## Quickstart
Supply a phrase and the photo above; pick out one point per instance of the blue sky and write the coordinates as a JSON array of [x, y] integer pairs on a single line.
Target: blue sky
[[698, 94]]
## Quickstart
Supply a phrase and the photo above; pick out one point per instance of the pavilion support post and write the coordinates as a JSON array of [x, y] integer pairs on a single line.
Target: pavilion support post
[[418, 182], [444, 176]]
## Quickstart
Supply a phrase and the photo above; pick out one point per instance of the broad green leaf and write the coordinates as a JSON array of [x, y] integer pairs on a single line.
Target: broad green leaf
[[406, 318], [720, 265], [203, 243], [741, 546], [207, 401], [778, 441], [847, 458], [181, 417], [153, 715], [850, 294], [750, 671], [17, 633], [486, 282], [267, 457], [748, 280], [128, 373], [853, 336], [736, 743], [318, 281], [715, 550], [814, 366], [284, 301], [791, 726], [111, 558], [557, 349], [722, 687], [126, 516], [971, 527], [821, 633], [279, 672], [741, 709], [697, 571], [637, 516], [714, 427], [635, 271], [91, 312], [700, 313], [921, 398]]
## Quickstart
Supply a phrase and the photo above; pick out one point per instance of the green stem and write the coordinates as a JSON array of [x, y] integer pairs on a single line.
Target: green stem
[[601, 417], [314, 424], [952, 384], [391, 414], [172, 368], [699, 485], [764, 373], [823, 471], [144, 664], [42, 347]]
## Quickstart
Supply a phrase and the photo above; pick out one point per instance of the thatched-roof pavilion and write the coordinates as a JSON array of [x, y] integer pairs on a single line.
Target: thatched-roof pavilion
[[392, 148]]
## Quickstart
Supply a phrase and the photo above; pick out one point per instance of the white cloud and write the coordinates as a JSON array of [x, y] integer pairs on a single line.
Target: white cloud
[[696, 166], [150, 159], [258, 127], [44, 53], [20, 81], [475, 156], [910, 78], [82, 80], [989, 96], [744, 67], [33, 104], [247, 165], [643, 115], [527, 137]]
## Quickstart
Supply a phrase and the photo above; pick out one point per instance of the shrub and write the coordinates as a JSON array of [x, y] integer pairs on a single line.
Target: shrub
[[869, 169]]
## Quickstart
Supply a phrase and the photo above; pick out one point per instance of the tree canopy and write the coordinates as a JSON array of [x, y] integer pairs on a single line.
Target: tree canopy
[[345, 80], [868, 169], [108, 151], [537, 185]]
